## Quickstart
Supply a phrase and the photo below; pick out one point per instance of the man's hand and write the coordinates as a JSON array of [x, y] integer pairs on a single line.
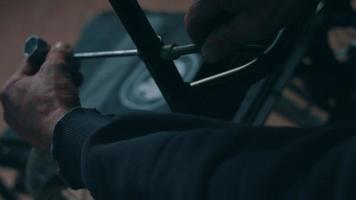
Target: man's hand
[[221, 26], [38, 95], [340, 40]]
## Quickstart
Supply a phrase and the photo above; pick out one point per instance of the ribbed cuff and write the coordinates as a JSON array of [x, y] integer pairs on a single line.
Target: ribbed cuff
[[69, 136]]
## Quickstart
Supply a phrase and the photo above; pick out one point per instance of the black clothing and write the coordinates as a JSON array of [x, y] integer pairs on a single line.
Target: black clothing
[[170, 156]]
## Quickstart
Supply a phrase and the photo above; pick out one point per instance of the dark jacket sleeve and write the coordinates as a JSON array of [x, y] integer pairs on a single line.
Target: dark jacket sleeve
[[169, 156]]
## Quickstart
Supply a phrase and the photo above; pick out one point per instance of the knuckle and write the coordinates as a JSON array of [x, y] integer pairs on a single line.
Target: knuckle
[[60, 52], [62, 49]]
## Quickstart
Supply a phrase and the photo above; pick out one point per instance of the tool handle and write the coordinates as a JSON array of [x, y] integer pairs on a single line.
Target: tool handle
[[36, 49]]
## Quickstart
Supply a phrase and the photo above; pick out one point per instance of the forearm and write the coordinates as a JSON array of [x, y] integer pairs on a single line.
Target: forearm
[[168, 156], [69, 136], [77, 127], [212, 161], [134, 155]]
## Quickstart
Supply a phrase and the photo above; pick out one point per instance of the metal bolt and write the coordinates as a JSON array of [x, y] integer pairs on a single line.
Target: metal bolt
[[35, 49]]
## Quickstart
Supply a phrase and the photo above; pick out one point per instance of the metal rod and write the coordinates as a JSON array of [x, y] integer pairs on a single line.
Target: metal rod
[[167, 53], [222, 75], [106, 54]]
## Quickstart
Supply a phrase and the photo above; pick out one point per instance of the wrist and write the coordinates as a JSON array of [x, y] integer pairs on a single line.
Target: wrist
[[49, 124]]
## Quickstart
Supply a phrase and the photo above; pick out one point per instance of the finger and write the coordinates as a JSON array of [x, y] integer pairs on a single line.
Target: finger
[[60, 51], [206, 15], [245, 28], [59, 58], [201, 19]]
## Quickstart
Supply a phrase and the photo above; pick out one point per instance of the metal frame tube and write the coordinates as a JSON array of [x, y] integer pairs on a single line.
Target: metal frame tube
[[149, 46]]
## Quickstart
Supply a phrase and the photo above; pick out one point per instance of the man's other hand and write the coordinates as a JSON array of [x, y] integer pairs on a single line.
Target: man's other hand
[[38, 95], [340, 40], [220, 26]]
